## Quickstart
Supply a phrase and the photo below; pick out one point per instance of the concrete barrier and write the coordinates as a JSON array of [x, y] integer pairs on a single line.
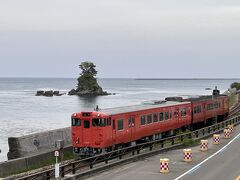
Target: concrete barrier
[[204, 145], [227, 133], [37, 143], [187, 155], [216, 139], [27, 163], [164, 166], [231, 127]]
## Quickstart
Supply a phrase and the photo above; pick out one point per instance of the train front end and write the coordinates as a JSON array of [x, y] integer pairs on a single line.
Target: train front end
[[89, 132]]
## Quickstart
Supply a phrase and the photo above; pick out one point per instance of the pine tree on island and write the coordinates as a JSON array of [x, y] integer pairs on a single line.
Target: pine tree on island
[[87, 81]]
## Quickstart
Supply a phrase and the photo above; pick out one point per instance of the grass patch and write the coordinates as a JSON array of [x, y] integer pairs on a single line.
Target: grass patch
[[232, 99], [189, 142]]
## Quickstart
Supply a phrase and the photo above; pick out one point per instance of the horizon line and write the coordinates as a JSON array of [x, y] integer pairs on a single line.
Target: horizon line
[[170, 78]]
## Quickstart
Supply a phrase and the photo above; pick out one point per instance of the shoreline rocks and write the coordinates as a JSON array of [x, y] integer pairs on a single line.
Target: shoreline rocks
[[49, 93], [89, 93]]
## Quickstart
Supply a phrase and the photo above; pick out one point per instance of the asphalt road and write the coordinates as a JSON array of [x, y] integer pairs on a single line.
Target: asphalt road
[[225, 165]]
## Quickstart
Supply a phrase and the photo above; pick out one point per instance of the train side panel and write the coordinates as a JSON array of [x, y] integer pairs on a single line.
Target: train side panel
[[133, 126]]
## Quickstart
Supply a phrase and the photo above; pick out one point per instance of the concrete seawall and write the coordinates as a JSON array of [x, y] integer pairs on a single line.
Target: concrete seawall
[[39, 143], [26, 163]]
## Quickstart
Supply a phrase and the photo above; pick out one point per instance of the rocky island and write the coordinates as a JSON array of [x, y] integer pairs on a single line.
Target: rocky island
[[87, 82], [48, 93]]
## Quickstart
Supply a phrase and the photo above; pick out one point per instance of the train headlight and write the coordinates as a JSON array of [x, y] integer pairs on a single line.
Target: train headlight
[[76, 150]]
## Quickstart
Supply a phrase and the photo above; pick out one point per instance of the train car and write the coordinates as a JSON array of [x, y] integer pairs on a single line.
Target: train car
[[93, 132], [108, 129], [207, 110]]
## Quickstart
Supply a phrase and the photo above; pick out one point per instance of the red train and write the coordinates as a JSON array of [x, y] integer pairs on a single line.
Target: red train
[[94, 132]]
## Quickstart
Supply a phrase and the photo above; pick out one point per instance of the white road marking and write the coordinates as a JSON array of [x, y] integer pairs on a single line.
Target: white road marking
[[198, 166]]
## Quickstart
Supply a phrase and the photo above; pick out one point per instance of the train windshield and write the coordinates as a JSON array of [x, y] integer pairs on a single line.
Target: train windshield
[[99, 122], [76, 122]]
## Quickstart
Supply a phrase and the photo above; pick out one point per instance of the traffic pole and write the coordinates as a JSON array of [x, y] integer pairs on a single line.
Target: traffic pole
[[57, 170]]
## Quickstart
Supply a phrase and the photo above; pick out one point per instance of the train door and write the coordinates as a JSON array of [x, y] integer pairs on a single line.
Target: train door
[[114, 131], [87, 135], [204, 111], [131, 128], [177, 116]]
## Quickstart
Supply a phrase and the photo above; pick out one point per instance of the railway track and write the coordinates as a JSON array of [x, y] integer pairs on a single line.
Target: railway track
[[91, 165], [233, 111]]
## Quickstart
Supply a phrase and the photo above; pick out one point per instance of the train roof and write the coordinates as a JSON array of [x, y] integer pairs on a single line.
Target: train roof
[[140, 107], [201, 98]]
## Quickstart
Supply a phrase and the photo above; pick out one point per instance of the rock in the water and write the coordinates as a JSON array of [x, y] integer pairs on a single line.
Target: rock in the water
[[40, 93], [91, 93], [72, 92], [56, 93], [87, 82], [48, 93]]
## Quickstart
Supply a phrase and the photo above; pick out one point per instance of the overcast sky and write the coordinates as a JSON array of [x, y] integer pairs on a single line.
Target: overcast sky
[[124, 38]]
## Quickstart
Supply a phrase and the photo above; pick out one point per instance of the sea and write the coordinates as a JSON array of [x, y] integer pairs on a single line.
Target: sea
[[23, 113]]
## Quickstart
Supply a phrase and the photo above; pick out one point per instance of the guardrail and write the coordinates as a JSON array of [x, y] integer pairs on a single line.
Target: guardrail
[[86, 165]]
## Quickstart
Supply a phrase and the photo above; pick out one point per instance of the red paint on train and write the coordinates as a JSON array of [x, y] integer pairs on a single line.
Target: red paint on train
[[111, 127]]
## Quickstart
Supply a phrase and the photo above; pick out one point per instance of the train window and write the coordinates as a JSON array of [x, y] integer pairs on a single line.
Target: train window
[[170, 115], [161, 116], [155, 117], [216, 105], [166, 115], [131, 122], [76, 122], [143, 120], [86, 124], [86, 114], [183, 112], [176, 113], [109, 121], [210, 107], [99, 122], [120, 124], [149, 118], [103, 122], [197, 109]]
